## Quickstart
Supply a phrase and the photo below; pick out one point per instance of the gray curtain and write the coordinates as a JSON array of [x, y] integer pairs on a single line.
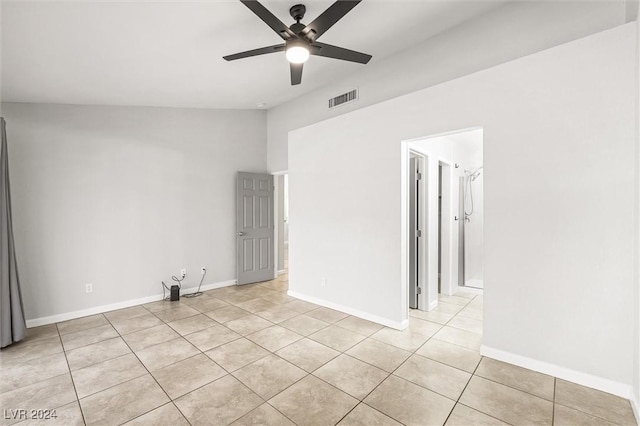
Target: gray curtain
[[13, 327]]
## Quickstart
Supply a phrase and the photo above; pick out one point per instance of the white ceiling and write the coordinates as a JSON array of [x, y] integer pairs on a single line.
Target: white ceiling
[[169, 53]]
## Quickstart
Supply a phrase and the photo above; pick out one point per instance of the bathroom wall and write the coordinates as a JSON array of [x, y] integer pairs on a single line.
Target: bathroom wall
[[469, 154]]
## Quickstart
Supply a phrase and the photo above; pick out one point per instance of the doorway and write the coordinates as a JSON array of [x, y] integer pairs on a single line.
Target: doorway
[[281, 215], [444, 240]]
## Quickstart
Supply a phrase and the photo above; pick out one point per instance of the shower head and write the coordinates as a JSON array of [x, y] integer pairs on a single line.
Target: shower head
[[474, 175]]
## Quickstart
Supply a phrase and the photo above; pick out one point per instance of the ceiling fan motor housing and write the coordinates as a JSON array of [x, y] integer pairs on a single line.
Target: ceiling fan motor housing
[[297, 27], [297, 12]]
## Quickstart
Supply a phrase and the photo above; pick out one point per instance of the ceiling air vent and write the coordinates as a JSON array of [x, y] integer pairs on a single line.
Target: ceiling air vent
[[345, 98]]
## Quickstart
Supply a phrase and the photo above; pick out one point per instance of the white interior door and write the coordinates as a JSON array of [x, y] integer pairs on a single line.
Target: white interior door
[[254, 227]]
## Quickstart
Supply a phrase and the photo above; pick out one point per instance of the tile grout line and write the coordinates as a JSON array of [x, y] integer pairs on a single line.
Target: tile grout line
[[553, 412], [230, 373], [227, 371], [457, 401], [73, 383], [473, 374], [414, 353], [311, 373], [148, 372], [392, 373]]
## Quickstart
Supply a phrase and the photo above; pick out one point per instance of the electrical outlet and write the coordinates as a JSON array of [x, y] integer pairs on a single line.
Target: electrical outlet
[[89, 288], [323, 281], [203, 270], [183, 272]]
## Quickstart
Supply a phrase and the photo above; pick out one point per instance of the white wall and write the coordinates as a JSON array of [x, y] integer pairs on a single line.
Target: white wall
[[636, 374], [123, 197], [503, 34], [558, 228]]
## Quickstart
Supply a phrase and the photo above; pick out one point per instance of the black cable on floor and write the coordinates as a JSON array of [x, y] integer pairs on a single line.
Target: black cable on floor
[[198, 292]]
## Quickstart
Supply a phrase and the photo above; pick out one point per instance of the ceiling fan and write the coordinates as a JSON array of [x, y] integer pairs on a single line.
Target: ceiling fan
[[300, 40]]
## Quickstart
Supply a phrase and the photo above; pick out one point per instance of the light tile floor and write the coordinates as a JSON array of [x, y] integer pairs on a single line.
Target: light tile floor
[[252, 355]]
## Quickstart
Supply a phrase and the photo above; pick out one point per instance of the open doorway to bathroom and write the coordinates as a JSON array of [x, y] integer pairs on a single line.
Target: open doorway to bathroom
[[281, 213], [447, 213]]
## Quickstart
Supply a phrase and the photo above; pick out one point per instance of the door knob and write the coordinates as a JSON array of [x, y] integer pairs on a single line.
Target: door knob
[[240, 234]]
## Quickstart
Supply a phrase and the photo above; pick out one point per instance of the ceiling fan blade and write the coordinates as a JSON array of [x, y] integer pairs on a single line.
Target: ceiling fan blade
[[296, 74], [333, 14], [255, 52], [269, 19], [335, 52]]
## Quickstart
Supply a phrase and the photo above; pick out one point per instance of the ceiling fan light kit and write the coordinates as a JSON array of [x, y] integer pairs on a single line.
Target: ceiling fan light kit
[[297, 52], [300, 41]]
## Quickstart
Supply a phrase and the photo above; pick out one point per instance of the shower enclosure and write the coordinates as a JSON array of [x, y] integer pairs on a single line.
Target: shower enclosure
[[470, 229]]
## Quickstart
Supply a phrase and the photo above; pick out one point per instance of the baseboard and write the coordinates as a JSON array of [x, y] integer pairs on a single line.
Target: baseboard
[[635, 406], [475, 284], [282, 271], [209, 287], [433, 305], [120, 305], [584, 379], [471, 290], [398, 325]]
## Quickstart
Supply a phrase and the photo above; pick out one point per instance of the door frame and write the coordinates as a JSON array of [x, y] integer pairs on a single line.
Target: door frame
[[421, 217], [449, 285], [423, 298], [430, 292], [276, 218]]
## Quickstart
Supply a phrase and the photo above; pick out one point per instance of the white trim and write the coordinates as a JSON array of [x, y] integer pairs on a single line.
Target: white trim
[[282, 271], [276, 220], [119, 305], [356, 313], [404, 230], [448, 269], [440, 135], [584, 379], [635, 406], [433, 305], [276, 226], [471, 290], [423, 275]]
